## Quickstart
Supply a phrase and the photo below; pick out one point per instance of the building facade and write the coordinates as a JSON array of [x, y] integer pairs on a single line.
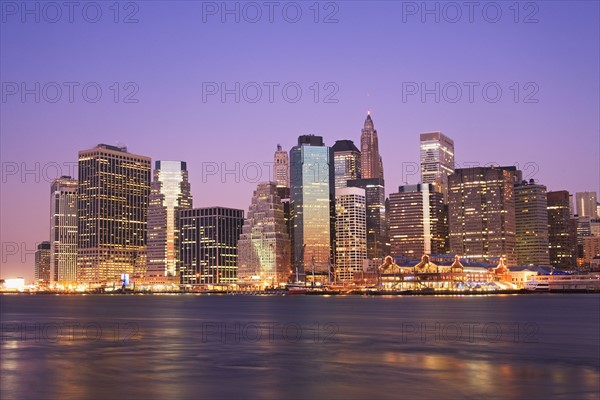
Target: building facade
[[42, 263], [347, 162], [437, 160], [351, 231], [169, 193], [264, 247], [531, 213], [562, 231], [481, 208], [417, 221], [312, 206], [281, 168], [63, 230], [112, 204], [371, 163], [587, 204], [208, 245]]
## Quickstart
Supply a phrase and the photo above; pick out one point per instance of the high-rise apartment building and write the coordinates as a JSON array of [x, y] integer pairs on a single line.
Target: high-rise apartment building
[[586, 204], [531, 214], [351, 231], [437, 160], [562, 230], [42, 263], [371, 163], [481, 208], [208, 245], [417, 221], [113, 193], [346, 160], [169, 193], [312, 206], [264, 245], [281, 168], [63, 230]]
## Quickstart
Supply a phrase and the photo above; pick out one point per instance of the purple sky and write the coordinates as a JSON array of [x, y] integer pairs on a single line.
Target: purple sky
[[373, 55]]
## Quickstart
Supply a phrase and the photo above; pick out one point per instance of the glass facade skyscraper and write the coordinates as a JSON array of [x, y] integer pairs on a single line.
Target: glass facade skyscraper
[[346, 161], [312, 205], [264, 246], [437, 160], [531, 213], [112, 198], [169, 193], [63, 230]]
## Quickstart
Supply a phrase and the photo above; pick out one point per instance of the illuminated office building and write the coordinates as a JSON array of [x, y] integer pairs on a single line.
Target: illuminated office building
[[417, 221], [562, 231], [169, 193], [63, 230], [437, 160], [113, 194], [208, 245], [264, 246], [351, 231], [481, 212], [312, 206], [346, 161], [42, 263], [531, 215]]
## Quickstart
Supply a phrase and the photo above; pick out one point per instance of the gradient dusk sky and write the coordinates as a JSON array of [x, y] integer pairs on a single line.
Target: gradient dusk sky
[[372, 56]]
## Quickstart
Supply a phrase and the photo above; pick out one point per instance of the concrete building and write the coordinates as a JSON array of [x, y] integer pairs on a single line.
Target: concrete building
[[351, 231], [531, 212]]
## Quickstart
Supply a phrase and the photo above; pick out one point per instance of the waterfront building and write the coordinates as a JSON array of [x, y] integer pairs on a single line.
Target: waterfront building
[[531, 213], [562, 231], [481, 212], [208, 245], [113, 195], [347, 162], [437, 160], [63, 230], [42, 263], [169, 193], [351, 231], [264, 245]]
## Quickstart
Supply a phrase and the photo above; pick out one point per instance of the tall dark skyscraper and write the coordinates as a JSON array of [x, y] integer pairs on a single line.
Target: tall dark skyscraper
[[63, 230], [169, 193], [208, 245], [377, 225], [312, 206], [372, 165], [481, 212], [346, 160], [113, 195], [562, 230]]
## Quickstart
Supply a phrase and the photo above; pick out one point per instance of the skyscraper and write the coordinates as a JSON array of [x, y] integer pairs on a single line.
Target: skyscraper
[[42, 263], [113, 192], [481, 212], [531, 214], [562, 231], [208, 245], [312, 206], [417, 221], [63, 230], [346, 160], [586, 204], [371, 163], [351, 231], [169, 193], [437, 160], [281, 168], [377, 224], [264, 246]]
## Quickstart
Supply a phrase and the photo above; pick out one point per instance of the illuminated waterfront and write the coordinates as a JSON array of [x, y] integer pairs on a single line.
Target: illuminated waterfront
[[188, 346]]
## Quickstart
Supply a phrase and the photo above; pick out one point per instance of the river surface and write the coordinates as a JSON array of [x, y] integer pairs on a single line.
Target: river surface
[[537, 346]]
